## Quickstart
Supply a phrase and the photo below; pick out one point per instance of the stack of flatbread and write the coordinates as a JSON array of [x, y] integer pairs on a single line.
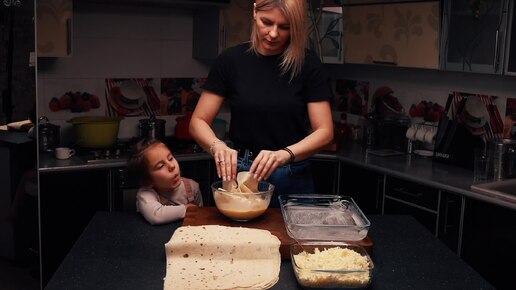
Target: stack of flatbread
[[221, 257]]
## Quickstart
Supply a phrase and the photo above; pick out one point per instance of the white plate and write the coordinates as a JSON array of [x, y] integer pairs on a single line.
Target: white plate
[[425, 153], [132, 95]]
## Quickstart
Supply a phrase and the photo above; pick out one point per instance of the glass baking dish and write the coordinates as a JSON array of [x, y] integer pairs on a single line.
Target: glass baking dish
[[323, 217]]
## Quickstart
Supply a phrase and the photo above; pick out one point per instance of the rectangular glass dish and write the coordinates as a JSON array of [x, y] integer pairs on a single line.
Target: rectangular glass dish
[[331, 265], [323, 217]]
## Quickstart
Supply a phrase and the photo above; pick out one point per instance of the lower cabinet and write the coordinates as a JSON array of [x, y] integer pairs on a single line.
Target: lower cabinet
[[489, 240], [325, 173], [440, 212], [68, 201], [364, 186], [205, 173]]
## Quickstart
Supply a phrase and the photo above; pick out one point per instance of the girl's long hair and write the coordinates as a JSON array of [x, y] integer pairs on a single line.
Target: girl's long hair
[[296, 13]]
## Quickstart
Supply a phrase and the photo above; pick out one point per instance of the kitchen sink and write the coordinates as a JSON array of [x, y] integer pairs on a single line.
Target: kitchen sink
[[502, 187]]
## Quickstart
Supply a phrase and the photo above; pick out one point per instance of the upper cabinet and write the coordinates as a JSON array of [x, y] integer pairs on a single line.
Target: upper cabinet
[[398, 34], [510, 60], [217, 29], [474, 35], [54, 28]]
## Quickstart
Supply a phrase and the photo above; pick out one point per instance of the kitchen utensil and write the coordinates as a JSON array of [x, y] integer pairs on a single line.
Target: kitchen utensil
[[48, 135], [131, 95], [501, 158], [323, 217], [241, 206], [96, 131], [349, 265], [152, 128], [455, 122], [64, 152]]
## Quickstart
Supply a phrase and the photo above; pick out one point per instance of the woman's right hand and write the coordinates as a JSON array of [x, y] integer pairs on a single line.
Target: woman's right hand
[[225, 160]]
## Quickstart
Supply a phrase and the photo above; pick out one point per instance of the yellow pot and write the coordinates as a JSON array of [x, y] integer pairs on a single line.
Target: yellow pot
[[95, 131]]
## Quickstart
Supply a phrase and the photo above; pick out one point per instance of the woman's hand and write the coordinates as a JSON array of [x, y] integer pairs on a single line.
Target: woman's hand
[[267, 161], [225, 160]]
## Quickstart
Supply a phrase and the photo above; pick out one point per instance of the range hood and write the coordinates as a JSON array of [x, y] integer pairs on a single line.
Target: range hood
[[171, 3]]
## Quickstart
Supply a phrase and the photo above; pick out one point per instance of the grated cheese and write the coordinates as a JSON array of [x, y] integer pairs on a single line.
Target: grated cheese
[[335, 259]]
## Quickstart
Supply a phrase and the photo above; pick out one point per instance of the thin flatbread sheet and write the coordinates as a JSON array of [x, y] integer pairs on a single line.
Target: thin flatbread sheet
[[221, 257]]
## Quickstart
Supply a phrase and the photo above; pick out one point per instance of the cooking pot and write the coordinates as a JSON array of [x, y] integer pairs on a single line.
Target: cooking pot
[[48, 135], [152, 128], [182, 127], [95, 131]]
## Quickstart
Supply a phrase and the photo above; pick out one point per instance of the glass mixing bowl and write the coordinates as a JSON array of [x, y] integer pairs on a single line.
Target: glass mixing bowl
[[242, 206]]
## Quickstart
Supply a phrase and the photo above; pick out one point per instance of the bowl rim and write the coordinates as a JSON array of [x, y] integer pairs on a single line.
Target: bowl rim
[[215, 189], [284, 198]]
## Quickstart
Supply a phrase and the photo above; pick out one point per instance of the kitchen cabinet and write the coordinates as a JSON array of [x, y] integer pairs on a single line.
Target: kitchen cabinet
[[402, 34], [489, 236], [364, 186], [326, 175], [510, 60], [54, 28], [474, 35], [217, 29], [440, 212], [17, 162], [68, 200]]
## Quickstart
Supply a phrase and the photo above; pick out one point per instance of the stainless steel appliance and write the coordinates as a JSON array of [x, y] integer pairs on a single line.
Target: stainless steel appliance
[[501, 158]]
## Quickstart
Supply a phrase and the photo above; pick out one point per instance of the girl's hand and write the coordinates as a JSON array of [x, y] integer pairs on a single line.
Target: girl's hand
[[225, 160]]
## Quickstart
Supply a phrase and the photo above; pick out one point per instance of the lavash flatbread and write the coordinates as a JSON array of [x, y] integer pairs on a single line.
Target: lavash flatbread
[[220, 257]]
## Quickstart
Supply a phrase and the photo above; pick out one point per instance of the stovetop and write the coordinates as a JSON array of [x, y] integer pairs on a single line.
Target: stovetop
[[123, 149]]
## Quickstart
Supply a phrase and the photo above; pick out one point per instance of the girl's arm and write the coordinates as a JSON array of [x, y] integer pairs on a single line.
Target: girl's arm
[[147, 203]]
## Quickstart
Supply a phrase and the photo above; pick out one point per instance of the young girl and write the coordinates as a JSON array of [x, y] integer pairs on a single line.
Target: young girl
[[164, 195]]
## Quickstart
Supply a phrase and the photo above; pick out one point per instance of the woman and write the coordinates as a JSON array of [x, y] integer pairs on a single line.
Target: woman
[[279, 98]]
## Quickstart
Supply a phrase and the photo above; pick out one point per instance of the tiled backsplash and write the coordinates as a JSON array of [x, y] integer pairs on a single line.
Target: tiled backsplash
[[135, 42]]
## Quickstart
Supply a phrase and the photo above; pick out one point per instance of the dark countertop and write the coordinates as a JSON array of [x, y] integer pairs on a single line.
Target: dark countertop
[[120, 250], [14, 138]]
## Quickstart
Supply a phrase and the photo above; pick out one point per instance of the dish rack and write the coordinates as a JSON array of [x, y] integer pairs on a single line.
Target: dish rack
[[421, 136]]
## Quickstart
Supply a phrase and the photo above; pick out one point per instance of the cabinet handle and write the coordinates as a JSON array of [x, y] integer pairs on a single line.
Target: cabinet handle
[[385, 62], [405, 192], [224, 37], [495, 60]]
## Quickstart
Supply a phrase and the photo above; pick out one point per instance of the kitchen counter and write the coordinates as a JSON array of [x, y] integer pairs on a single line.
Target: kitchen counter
[[120, 250], [422, 170], [14, 138], [48, 163]]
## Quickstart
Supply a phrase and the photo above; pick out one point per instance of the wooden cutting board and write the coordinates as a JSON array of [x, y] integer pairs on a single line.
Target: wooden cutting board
[[271, 220]]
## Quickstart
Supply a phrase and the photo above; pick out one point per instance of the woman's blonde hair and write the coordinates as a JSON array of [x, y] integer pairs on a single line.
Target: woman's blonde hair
[[296, 13]]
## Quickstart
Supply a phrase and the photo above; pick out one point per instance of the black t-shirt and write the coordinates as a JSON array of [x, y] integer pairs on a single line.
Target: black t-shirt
[[268, 111]]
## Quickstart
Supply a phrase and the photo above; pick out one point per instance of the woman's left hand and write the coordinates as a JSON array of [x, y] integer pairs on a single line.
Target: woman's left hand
[[267, 161]]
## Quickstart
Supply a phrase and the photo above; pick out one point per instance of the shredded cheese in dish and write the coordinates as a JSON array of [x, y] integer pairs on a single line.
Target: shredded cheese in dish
[[332, 259]]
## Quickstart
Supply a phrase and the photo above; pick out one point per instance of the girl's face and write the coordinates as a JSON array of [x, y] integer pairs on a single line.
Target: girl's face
[[273, 31], [163, 168]]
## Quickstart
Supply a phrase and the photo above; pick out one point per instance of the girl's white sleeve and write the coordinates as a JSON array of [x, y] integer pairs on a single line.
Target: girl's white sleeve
[[147, 203]]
